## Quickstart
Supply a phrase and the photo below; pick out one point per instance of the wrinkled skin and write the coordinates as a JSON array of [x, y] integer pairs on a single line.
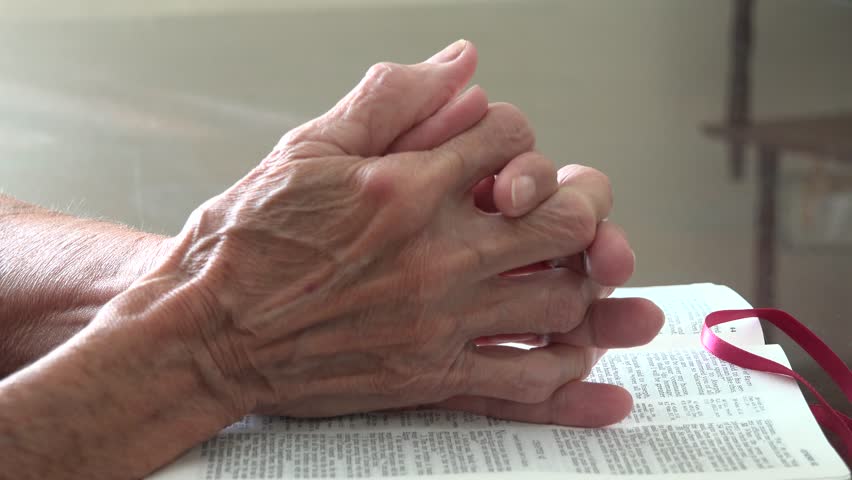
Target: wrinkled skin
[[351, 272]]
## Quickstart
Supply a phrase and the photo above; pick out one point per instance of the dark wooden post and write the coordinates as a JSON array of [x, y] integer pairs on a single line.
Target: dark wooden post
[[739, 81], [764, 268]]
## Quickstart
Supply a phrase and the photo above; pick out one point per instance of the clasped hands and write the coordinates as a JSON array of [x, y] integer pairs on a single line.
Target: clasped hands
[[359, 266]]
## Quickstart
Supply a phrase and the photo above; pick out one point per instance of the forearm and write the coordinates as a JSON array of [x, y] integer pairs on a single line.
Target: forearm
[[123, 397], [56, 272]]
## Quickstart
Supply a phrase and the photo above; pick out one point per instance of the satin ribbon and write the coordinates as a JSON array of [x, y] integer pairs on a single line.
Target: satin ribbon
[[827, 416]]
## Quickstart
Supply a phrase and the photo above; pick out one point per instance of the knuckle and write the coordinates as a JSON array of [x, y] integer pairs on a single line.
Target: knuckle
[[296, 135], [294, 144], [384, 77], [391, 195], [403, 194], [512, 125], [400, 179], [380, 183]]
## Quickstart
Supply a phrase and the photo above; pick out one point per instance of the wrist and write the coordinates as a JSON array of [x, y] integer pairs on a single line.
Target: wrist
[[177, 317]]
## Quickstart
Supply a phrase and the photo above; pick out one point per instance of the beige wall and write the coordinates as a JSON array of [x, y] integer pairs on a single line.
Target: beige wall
[[110, 9], [139, 119]]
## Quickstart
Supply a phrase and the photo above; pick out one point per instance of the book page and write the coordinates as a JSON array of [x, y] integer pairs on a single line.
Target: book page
[[685, 307], [696, 417]]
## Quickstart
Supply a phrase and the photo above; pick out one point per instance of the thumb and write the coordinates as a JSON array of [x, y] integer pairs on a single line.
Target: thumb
[[389, 101]]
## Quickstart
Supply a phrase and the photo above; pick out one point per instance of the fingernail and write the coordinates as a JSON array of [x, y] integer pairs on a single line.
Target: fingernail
[[523, 191], [450, 53]]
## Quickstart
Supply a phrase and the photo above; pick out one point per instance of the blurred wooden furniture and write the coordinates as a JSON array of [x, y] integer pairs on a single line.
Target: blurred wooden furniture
[[825, 137]]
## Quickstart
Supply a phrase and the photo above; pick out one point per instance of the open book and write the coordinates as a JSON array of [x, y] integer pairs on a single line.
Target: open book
[[695, 417]]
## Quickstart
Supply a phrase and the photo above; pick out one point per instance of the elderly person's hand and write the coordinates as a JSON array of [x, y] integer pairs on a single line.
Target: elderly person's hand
[[332, 279]]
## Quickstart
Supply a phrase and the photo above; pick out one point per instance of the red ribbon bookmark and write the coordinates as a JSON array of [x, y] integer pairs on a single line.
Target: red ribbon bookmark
[[825, 414]]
